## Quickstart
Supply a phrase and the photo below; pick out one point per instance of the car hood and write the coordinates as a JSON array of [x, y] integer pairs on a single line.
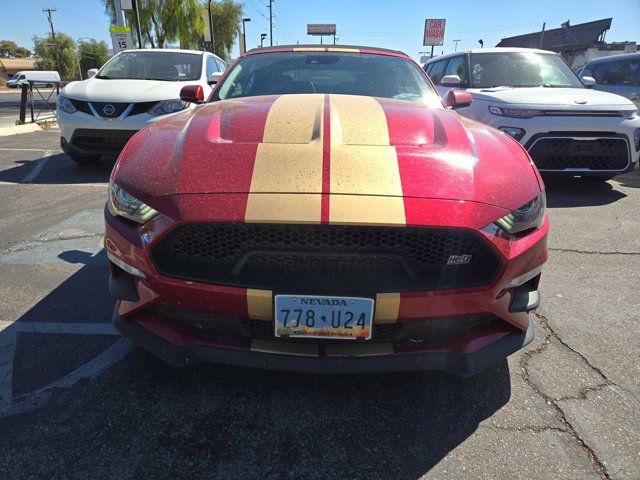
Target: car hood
[[128, 91], [327, 144], [560, 98]]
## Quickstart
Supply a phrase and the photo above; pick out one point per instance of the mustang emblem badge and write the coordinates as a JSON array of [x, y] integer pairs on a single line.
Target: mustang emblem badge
[[108, 110]]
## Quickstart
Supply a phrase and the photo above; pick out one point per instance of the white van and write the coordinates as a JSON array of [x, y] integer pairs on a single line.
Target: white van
[[34, 75]]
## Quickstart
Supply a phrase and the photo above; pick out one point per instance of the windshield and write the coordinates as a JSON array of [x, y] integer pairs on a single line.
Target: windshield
[[167, 66], [328, 72], [521, 69]]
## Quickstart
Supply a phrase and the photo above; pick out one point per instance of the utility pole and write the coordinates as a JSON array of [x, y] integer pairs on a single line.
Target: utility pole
[[53, 35], [135, 11], [213, 43], [271, 22]]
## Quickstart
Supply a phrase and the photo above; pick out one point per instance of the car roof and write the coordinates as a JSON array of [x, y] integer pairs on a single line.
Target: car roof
[[490, 50], [328, 48], [613, 58], [179, 50]]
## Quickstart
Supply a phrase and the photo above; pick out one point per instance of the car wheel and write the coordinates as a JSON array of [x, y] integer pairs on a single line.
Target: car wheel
[[84, 159]]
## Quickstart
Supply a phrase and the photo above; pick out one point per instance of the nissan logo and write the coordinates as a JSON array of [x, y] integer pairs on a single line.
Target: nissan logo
[[108, 110]]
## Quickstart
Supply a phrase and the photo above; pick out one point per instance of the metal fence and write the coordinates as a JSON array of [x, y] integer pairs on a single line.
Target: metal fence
[[38, 98]]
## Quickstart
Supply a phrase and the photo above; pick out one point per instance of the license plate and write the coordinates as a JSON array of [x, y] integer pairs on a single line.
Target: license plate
[[323, 317]]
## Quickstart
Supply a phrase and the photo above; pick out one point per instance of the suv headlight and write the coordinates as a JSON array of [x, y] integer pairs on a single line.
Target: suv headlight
[[125, 205], [514, 112], [528, 217], [65, 105], [168, 106]]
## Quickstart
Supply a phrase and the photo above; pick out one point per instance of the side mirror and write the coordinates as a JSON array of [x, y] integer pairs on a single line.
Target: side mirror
[[214, 78], [192, 94], [589, 82], [458, 99], [450, 81], [92, 72]]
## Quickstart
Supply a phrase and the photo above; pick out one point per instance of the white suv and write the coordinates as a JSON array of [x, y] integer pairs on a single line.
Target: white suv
[[98, 116], [535, 97]]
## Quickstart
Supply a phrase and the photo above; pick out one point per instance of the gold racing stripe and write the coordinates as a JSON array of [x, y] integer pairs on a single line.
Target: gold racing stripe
[[365, 178], [387, 308], [260, 304], [287, 174]]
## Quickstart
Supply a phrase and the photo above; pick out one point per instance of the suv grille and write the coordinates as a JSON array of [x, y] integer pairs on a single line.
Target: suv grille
[[568, 153], [326, 259]]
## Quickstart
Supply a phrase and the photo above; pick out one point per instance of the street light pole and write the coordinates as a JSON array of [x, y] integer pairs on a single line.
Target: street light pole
[[244, 34], [78, 54], [135, 10], [262, 37]]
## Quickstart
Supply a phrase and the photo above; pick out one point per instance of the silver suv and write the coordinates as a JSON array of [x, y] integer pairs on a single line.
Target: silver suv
[[616, 74]]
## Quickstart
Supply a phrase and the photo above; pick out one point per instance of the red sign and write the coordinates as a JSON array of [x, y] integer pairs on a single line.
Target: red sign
[[434, 32]]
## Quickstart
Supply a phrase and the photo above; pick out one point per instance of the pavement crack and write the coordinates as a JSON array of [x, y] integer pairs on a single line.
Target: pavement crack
[[526, 428], [34, 243], [550, 334], [590, 252]]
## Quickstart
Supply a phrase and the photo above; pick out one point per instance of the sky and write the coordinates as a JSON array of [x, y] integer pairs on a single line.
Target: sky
[[396, 24]]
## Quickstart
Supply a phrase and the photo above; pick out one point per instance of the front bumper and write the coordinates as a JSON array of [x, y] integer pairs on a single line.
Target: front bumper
[[142, 314], [276, 356]]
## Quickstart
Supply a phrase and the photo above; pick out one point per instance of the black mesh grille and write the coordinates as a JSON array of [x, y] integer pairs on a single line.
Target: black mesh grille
[[326, 259], [102, 140], [141, 107], [562, 153]]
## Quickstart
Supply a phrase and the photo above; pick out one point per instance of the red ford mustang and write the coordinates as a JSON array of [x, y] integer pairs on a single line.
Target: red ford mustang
[[324, 211]]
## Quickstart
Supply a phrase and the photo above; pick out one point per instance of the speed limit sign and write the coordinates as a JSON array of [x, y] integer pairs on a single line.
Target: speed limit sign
[[121, 38]]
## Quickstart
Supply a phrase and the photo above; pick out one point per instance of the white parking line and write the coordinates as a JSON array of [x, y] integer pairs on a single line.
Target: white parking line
[[91, 369], [25, 149], [38, 168]]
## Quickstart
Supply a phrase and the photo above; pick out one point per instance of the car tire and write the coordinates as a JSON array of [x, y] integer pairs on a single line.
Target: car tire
[[84, 159]]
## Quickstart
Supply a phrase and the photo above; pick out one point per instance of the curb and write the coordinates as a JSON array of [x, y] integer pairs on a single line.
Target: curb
[[15, 130]]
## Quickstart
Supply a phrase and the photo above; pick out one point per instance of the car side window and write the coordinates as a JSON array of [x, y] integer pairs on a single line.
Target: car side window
[[212, 66], [221, 65], [428, 68], [458, 66], [436, 71], [622, 72]]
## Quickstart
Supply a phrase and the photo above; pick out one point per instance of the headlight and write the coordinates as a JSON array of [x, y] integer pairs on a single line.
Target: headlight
[[629, 114], [514, 112], [125, 205], [168, 106], [527, 217], [65, 105], [636, 139], [514, 132]]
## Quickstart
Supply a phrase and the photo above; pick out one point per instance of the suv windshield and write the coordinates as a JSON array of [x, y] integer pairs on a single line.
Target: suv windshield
[[167, 66], [328, 72], [521, 69]]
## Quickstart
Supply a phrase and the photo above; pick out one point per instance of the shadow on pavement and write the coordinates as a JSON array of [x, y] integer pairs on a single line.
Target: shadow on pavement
[[578, 192], [58, 170], [631, 179], [146, 419]]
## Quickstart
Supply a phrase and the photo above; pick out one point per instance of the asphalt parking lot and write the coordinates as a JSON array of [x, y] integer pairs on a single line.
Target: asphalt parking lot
[[78, 401]]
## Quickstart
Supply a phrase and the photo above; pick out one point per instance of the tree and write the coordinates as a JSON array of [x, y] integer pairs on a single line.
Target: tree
[[163, 22], [227, 15], [9, 49], [45, 51], [93, 54]]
